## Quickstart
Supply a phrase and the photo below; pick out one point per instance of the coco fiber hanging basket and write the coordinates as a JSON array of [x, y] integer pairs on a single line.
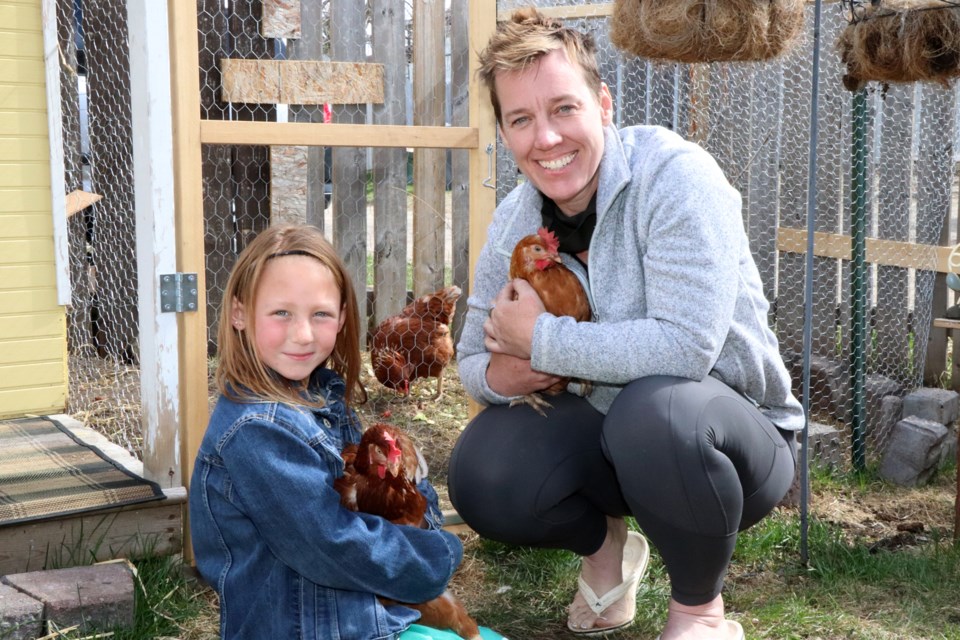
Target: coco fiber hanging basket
[[706, 30], [901, 41]]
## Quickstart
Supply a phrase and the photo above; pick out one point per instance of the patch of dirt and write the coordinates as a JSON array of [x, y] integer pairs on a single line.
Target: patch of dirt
[[888, 517]]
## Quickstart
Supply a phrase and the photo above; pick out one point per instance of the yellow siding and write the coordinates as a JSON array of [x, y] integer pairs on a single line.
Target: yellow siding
[[31, 325], [33, 347], [24, 201], [17, 225]]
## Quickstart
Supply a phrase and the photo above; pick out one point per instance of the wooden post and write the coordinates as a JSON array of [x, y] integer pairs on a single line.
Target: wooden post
[[350, 163], [309, 46], [762, 199], [460, 161], [251, 164], [218, 225], [192, 327], [934, 182], [483, 200], [895, 130], [793, 197], [156, 237], [429, 167], [390, 164]]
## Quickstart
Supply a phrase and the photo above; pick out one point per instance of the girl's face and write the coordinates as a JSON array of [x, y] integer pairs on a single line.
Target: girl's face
[[553, 124], [297, 316]]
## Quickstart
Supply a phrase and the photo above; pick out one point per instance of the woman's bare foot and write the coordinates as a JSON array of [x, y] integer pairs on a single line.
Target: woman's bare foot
[[603, 571], [701, 622]]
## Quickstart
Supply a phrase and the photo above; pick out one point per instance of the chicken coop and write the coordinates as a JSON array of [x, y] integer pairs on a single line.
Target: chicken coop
[[187, 128]]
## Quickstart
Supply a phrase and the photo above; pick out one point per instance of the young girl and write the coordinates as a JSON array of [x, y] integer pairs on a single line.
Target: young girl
[[268, 530]]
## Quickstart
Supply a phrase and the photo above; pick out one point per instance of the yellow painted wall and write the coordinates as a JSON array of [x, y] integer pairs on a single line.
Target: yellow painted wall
[[33, 345]]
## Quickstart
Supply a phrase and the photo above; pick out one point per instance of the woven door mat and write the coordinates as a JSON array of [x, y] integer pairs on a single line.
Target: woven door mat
[[47, 472]]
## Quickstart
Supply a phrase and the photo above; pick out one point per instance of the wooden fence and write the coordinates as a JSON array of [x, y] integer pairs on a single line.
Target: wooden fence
[[247, 187]]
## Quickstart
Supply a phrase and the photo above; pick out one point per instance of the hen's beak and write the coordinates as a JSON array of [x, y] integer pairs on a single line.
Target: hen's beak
[[393, 466]]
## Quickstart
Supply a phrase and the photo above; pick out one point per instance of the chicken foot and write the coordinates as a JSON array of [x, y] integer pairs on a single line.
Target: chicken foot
[[534, 400]]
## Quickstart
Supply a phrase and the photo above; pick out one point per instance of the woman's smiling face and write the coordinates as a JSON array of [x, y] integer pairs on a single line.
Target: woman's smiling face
[[553, 124]]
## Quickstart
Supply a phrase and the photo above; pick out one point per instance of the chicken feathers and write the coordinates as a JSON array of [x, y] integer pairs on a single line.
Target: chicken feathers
[[536, 259], [380, 478], [415, 343]]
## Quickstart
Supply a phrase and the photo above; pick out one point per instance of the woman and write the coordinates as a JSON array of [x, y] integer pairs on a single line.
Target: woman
[[689, 424]]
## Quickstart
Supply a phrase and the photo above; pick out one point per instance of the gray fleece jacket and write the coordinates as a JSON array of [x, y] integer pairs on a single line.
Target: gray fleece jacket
[[672, 283]]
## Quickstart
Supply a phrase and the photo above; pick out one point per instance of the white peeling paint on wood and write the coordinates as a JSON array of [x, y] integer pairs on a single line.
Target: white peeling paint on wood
[[156, 238], [51, 60]]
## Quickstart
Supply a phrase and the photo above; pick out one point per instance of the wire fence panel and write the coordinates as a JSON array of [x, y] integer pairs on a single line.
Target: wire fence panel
[[103, 324], [755, 118], [400, 216]]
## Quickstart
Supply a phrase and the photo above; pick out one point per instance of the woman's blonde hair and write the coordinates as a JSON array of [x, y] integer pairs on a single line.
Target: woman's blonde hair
[[527, 36], [241, 374]]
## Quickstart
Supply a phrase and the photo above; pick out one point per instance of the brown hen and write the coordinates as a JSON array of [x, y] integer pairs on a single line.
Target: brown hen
[[380, 477], [415, 343], [536, 259]]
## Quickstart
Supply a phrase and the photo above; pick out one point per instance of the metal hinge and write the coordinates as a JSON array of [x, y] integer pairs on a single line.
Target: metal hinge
[[178, 292]]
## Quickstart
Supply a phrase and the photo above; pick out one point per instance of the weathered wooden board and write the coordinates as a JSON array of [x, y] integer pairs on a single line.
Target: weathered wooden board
[[288, 184], [152, 528], [889, 253], [280, 19], [301, 82]]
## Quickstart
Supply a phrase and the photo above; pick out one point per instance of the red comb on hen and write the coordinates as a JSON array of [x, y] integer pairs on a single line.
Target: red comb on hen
[[553, 244], [393, 455]]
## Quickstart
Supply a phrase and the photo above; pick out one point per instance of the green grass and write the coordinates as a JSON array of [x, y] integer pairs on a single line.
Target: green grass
[[849, 590], [853, 587], [168, 604], [846, 590]]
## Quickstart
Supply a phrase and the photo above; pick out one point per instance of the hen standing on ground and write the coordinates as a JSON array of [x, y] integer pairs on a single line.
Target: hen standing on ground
[[380, 477], [536, 259], [416, 342]]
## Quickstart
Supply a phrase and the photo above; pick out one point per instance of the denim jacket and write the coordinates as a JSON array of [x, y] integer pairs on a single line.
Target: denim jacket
[[269, 534]]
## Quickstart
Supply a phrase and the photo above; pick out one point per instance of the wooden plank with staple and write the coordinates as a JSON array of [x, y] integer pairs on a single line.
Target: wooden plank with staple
[[301, 82]]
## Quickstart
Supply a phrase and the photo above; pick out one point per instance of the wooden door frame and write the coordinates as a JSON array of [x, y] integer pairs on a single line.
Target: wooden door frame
[[190, 132]]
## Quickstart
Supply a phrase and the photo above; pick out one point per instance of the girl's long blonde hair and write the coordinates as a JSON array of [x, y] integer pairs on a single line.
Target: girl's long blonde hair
[[241, 374]]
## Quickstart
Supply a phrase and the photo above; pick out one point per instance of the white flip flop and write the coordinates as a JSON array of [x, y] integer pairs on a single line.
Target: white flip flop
[[636, 555]]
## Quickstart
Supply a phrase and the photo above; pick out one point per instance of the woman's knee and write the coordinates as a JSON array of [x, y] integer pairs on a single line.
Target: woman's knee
[[483, 478], [642, 419]]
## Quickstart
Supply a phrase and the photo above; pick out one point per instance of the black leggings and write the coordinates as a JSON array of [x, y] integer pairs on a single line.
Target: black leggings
[[693, 462]]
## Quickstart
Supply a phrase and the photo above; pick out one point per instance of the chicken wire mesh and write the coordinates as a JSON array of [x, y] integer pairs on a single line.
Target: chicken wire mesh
[[102, 321], [397, 216], [401, 240], [872, 317]]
